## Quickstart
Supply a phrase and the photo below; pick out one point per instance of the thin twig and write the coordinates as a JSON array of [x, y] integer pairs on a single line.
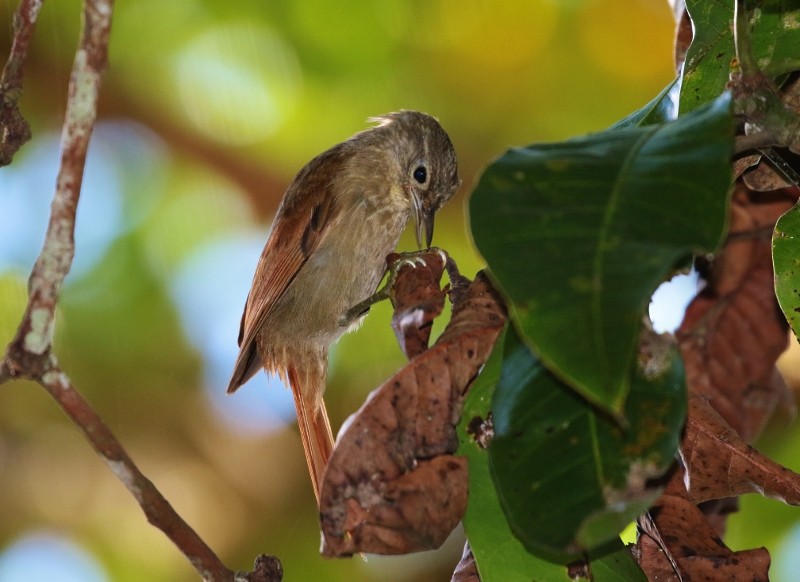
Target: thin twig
[[14, 130], [29, 353]]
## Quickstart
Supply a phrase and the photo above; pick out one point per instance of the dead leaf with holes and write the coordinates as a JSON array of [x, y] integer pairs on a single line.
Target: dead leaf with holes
[[393, 485]]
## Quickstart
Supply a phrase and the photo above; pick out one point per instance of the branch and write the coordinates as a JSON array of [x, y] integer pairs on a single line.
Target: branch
[[29, 353], [753, 141], [756, 97], [14, 130], [156, 508]]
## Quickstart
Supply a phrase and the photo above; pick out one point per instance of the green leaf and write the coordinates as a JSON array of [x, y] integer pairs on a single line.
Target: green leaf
[[661, 109], [774, 40], [616, 566], [568, 477], [579, 234], [786, 262], [499, 555]]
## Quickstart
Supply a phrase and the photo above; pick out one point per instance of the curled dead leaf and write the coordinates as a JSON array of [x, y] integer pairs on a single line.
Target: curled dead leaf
[[741, 165], [720, 464], [392, 485], [417, 300], [764, 178], [677, 543]]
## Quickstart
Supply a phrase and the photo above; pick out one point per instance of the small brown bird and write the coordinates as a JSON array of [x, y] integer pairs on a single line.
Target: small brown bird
[[340, 217]]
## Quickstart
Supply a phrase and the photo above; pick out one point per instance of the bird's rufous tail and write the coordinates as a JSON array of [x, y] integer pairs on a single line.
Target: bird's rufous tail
[[315, 428]]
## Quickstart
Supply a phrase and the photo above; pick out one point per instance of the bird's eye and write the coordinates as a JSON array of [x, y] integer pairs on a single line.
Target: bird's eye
[[421, 174]]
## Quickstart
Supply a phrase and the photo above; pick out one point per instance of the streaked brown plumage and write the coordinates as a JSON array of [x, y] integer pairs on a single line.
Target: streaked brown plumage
[[340, 217]]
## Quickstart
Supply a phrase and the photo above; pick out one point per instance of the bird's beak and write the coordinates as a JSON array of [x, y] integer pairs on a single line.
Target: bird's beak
[[423, 223], [427, 223]]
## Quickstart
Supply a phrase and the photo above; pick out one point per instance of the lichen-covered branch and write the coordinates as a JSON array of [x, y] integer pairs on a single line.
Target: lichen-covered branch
[[14, 130], [35, 333]]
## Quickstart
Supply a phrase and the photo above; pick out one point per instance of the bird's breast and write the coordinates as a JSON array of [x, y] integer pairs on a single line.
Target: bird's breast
[[344, 269]]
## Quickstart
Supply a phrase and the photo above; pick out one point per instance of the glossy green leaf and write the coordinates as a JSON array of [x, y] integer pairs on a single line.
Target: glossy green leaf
[[568, 477], [774, 38], [500, 556], [786, 261], [663, 108], [616, 566], [579, 234]]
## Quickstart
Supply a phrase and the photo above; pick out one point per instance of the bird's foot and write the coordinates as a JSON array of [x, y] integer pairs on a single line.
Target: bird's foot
[[396, 262]]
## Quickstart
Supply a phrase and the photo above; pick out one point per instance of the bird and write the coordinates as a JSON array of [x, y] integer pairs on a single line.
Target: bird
[[340, 217]]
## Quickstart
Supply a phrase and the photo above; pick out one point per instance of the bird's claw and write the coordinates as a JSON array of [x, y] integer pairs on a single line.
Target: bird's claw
[[416, 259]]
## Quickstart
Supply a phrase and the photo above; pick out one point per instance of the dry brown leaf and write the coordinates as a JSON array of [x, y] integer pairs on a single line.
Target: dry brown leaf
[[417, 300], [467, 569], [653, 560], [764, 178], [720, 464], [717, 512], [678, 543], [733, 330], [392, 485], [741, 165]]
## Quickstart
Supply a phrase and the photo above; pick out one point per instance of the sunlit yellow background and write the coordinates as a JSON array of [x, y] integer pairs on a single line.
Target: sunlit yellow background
[[208, 109]]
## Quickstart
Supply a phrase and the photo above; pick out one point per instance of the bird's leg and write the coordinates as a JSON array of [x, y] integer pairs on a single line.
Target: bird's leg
[[398, 261], [362, 307]]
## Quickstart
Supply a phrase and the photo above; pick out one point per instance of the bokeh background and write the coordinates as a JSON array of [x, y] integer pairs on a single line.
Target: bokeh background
[[208, 109]]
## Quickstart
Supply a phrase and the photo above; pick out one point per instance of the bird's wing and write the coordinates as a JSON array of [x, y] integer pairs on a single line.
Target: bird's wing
[[302, 222]]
